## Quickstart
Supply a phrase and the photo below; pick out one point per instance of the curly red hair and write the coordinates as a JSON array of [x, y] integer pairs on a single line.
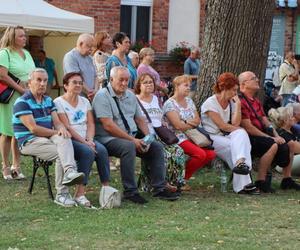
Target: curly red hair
[[225, 81]]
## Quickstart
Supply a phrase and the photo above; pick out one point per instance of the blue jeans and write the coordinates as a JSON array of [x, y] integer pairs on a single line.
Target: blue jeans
[[285, 99], [85, 158]]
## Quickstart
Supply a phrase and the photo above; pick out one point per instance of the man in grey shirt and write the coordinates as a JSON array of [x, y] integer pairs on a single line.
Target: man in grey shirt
[[79, 60], [117, 134]]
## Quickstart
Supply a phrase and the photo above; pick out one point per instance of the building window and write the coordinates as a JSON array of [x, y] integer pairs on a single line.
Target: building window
[[135, 19]]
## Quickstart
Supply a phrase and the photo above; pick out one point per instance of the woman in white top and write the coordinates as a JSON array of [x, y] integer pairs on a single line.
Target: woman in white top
[[75, 112], [174, 155], [182, 115], [221, 117]]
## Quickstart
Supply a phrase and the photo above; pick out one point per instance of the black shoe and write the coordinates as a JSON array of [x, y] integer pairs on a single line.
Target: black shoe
[[289, 183], [264, 187], [136, 198], [241, 168], [250, 189], [167, 195]]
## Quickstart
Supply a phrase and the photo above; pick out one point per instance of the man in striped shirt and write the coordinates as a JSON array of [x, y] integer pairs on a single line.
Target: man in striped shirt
[[39, 132]]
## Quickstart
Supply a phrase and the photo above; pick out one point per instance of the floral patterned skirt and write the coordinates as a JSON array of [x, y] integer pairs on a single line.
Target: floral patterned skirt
[[175, 163]]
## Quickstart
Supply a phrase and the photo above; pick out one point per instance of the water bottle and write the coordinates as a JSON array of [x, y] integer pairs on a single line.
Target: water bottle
[[223, 178], [220, 167], [148, 139]]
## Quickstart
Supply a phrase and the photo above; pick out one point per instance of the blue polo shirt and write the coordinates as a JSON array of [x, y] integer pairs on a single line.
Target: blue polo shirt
[[41, 112]]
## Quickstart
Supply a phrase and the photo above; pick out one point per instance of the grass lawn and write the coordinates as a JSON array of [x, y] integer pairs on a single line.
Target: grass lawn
[[204, 218]]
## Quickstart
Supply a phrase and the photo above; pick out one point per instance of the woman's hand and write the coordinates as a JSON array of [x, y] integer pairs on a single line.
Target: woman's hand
[[236, 99], [63, 132], [91, 144]]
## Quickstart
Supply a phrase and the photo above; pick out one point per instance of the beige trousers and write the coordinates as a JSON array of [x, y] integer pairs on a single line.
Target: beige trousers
[[54, 148]]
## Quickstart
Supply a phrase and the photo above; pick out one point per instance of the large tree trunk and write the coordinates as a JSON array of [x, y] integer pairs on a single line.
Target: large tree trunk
[[236, 39]]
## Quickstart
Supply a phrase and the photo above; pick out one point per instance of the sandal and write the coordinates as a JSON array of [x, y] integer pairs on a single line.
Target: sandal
[[250, 189], [82, 201], [6, 173], [16, 173], [241, 169]]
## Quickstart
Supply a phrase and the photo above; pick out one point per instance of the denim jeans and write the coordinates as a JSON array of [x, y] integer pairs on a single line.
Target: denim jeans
[[154, 160], [85, 158], [285, 99]]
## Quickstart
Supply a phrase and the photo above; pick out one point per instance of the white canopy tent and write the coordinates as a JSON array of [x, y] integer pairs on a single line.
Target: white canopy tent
[[59, 29], [39, 15]]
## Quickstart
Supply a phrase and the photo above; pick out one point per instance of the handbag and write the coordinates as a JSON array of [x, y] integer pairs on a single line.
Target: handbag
[[109, 197], [7, 92], [165, 134], [199, 137]]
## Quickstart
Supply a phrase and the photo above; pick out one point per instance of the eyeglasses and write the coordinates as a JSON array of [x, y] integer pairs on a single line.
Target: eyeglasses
[[147, 82], [76, 82], [254, 78]]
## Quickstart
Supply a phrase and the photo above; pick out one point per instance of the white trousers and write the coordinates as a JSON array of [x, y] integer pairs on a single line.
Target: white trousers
[[53, 148], [231, 148]]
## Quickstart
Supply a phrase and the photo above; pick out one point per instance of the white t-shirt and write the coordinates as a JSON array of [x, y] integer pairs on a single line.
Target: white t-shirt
[[184, 113], [212, 104], [77, 115], [154, 112]]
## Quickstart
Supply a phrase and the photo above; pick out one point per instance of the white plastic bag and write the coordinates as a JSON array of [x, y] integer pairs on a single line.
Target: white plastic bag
[[109, 197]]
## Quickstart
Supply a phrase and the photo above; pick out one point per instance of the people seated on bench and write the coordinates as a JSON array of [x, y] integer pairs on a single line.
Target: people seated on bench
[[40, 133], [181, 115], [75, 112], [221, 117], [283, 118], [174, 155], [118, 117], [265, 141]]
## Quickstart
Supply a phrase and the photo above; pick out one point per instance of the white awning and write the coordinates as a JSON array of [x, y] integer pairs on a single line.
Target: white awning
[[40, 15]]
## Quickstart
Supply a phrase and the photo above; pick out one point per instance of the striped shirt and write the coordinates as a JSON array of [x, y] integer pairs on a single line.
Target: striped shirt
[[41, 112]]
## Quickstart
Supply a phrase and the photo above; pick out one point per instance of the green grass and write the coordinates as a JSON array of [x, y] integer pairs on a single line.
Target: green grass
[[202, 219]]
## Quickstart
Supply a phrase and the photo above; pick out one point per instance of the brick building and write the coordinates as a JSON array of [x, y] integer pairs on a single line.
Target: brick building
[[168, 22]]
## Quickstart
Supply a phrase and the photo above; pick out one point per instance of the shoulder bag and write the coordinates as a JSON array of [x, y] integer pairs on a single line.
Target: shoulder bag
[[164, 133]]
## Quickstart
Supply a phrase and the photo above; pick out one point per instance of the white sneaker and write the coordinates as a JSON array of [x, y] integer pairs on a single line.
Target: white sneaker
[[72, 177], [64, 200]]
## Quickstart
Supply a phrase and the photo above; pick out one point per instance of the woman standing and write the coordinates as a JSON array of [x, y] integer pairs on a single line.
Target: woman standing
[[16, 60], [121, 43], [101, 54], [75, 112], [182, 115], [147, 58], [174, 155], [221, 117]]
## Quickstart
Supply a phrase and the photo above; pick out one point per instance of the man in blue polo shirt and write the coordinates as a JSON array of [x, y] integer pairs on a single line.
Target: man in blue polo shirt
[[39, 132]]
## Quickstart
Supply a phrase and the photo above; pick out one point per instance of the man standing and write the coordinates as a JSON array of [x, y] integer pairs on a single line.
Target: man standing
[[288, 76], [266, 143], [79, 60], [192, 68], [118, 118], [40, 133], [48, 64]]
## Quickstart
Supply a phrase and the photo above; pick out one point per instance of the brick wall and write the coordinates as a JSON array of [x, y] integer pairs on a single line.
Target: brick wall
[[160, 20], [105, 12]]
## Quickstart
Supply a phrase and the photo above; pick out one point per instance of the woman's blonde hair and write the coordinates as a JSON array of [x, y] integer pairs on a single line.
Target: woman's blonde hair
[[144, 52], [8, 38], [279, 116], [181, 79]]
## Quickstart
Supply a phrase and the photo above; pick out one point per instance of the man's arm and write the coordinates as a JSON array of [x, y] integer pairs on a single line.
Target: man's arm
[[37, 130], [251, 129], [141, 124], [58, 125], [114, 130]]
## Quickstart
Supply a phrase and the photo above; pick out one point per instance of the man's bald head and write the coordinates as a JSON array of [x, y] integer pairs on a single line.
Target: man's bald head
[[249, 83], [85, 43]]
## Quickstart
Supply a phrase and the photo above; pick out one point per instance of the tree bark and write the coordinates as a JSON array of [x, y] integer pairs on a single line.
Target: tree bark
[[237, 37]]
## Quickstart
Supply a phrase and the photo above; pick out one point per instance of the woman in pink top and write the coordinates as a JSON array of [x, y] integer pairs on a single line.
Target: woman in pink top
[[146, 59]]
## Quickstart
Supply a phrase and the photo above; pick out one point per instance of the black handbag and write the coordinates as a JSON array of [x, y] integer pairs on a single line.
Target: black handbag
[[164, 133]]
